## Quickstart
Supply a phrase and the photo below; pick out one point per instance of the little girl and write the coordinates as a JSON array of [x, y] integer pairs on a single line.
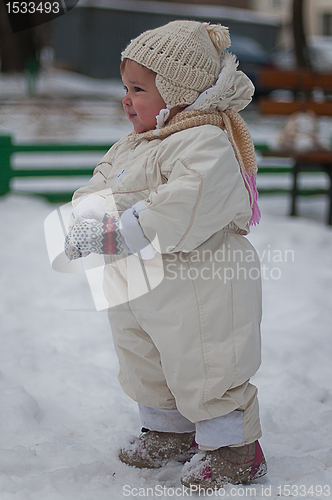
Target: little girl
[[184, 178]]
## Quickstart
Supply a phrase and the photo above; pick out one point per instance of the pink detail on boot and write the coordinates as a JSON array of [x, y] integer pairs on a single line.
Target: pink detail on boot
[[258, 469], [206, 472]]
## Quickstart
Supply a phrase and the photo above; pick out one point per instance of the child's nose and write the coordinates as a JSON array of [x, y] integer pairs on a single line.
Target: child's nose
[[126, 100]]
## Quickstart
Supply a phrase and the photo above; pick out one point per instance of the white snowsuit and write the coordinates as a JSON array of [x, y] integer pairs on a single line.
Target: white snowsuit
[[193, 342]]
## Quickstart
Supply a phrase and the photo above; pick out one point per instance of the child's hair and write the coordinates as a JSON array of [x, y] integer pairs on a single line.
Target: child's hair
[[185, 55], [123, 65]]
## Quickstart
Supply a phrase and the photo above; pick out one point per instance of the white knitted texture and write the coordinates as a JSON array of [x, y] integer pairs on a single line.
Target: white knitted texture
[[184, 57]]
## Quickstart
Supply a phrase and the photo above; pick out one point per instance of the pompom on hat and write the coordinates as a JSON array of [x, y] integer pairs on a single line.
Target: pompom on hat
[[185, 55]]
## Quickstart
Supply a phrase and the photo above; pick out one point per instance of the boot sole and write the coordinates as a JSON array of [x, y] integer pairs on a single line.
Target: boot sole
[[245, 477], [140, 463]]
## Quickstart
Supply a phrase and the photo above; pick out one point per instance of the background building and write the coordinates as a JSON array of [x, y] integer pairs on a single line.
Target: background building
[[318, 16], [90, 38]]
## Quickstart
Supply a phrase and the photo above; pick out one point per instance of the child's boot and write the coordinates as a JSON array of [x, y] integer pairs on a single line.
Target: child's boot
[[152, 449], [213, 469]]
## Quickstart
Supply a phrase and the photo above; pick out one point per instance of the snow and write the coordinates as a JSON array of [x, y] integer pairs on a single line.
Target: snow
[[63, 414]]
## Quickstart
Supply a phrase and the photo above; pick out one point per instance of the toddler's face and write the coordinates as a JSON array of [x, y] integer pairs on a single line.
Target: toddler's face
[[142, 102]]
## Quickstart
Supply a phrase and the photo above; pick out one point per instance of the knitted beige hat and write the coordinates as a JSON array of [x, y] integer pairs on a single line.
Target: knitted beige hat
[[185, 55]]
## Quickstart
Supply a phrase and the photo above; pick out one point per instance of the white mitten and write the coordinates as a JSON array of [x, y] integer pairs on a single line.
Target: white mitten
[[103, 237], [91, 207]]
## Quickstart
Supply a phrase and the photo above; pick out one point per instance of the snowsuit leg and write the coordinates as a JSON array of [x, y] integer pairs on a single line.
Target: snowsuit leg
[[139, 361], [176, 355], [141, 375]]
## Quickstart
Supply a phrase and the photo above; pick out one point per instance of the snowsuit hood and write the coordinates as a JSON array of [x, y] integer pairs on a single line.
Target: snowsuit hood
[[219, 105]]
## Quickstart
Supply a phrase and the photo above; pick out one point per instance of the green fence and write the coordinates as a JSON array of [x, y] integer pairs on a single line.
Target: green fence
[[8, 172], [283, 182]]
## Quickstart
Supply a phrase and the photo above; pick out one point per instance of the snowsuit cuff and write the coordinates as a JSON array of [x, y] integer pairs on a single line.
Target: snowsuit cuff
[[163, 420], [133, 233], [220, 431]]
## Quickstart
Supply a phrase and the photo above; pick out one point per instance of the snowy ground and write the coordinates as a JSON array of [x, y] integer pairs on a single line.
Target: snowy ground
[[63, 414]]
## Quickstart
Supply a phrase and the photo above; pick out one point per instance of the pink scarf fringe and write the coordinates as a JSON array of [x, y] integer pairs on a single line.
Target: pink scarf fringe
[[250, 183]]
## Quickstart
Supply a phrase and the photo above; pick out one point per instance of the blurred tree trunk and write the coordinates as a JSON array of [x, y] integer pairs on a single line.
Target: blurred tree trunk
[[17, 50], [10, 54], [299, 36]]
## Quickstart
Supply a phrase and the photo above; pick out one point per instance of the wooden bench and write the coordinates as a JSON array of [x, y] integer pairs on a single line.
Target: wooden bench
[[312, 162], [317, 161], [302, 83]]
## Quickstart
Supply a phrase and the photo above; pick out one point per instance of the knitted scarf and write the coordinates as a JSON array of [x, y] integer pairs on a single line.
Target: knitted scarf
[[238, 135]]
